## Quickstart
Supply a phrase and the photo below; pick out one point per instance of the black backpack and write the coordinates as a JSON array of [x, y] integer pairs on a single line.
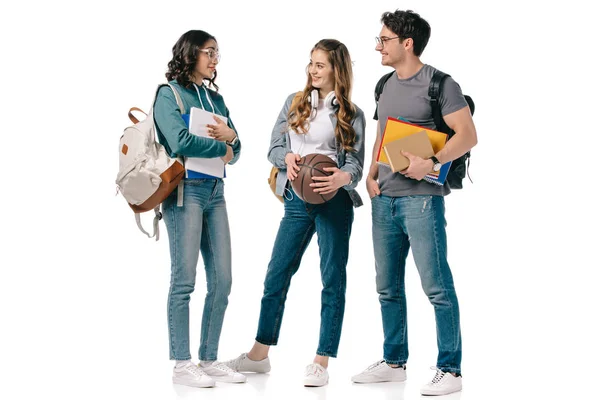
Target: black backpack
[[460, 167]]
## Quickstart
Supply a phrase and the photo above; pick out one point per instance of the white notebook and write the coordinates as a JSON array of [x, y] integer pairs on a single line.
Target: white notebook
[[210, 166]]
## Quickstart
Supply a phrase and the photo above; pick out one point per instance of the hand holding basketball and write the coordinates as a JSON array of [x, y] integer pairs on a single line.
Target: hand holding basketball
[[291, 160], [331, 183], [316, 165]]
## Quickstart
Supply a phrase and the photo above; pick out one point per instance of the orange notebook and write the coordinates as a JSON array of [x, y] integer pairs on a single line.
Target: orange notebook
[[396, 129]]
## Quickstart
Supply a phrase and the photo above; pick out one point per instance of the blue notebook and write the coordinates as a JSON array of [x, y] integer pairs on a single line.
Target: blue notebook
[[440, 177], [194, 174]]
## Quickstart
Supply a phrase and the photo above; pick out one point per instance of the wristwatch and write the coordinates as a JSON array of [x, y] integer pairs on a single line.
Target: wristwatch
[[233, 141], [437, 165]]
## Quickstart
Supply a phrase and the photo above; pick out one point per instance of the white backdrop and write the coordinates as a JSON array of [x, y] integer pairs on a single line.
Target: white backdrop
[[83, 292]]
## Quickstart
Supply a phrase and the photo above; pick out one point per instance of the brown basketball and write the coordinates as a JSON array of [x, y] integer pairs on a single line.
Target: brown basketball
[[312, 165]]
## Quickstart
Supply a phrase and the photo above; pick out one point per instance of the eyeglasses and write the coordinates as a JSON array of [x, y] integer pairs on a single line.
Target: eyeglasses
[[381, 40], [212, 54]]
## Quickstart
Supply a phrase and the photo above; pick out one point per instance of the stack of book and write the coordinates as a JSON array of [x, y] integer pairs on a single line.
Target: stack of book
[[401, 136], [197, 167]]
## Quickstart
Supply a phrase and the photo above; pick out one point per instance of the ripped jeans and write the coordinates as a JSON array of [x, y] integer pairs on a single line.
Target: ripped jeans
[[416, 222]]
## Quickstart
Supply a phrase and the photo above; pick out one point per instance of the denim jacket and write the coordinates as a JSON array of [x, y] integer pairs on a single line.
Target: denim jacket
[[348, 161]]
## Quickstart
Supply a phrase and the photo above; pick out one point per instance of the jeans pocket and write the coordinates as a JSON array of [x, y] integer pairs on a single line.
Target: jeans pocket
[[375, 197]]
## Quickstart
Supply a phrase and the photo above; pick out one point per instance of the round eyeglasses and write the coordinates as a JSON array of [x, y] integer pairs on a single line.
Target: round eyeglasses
[[212, 54]]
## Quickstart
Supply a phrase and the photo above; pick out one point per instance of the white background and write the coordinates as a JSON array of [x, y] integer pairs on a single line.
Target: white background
[[83, 292]]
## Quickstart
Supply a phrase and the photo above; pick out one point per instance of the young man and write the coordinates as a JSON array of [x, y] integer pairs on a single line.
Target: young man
[[408, 211]]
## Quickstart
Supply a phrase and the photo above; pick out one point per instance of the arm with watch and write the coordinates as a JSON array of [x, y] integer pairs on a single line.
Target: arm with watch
[[464, 139], [226, 133]]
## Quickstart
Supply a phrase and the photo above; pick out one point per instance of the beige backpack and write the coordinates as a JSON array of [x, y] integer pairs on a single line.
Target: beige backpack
[[147, 175]]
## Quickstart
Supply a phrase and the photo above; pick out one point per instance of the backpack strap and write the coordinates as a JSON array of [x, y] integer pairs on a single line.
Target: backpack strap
[[175, 92], [471, 103], [182, 110], [157, 217], [132, 117], [379, 90], [435, 91]]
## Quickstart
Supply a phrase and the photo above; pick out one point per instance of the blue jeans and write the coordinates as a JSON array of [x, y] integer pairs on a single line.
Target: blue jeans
[[201, 225], [417, 222], [333, 222]]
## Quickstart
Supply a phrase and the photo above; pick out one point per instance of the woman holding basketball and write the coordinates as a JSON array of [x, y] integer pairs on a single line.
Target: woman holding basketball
[[321, 119]]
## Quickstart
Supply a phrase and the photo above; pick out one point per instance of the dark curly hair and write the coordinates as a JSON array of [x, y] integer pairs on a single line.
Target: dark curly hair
[[185, 56], [408, 24]]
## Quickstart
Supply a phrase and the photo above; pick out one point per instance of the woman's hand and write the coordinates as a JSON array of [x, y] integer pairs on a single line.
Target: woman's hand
[[292, 168], [228, 156], [220, 131], [331, 183]]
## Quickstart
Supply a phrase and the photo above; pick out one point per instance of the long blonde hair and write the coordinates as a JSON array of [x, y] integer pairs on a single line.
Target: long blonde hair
[[299, 112]]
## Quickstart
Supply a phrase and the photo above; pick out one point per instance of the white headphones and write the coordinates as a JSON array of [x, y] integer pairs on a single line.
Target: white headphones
[[330, 102]]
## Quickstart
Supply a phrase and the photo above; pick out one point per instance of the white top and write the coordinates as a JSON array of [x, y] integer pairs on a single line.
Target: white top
[[320, 137]]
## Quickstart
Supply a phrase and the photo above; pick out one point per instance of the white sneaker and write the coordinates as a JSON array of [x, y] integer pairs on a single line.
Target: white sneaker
[[442, 383], [244, 364], [222, 373], [381, 372], [190, 375], [315, 375]]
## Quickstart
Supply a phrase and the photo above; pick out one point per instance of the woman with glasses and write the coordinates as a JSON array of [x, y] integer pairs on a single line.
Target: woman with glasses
[[320, 119], [196, 217]]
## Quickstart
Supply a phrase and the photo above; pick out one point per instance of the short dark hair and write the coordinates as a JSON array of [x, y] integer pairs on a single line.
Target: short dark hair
[[408, 24], [185, 56]]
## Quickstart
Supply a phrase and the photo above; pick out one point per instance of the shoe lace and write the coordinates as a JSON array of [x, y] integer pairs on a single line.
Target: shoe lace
[[236, 362], [439, 375], [313, 369], [194, 370], [375, 365], [224, 368]]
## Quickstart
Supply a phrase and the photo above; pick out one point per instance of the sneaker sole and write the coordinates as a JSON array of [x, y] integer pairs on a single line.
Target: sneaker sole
[[228, 380], [252, 371], [439, 394], [379, 381], [314, 384], [193, 384]]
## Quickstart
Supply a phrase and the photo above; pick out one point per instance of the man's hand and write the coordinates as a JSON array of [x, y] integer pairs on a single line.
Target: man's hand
[[372, 187], [418, 167]]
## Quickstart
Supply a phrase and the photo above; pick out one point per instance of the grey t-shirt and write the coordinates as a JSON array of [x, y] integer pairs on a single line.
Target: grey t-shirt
[[409, 99]]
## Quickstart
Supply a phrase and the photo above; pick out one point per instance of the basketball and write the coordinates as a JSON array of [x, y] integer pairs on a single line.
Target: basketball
[[312, 165]]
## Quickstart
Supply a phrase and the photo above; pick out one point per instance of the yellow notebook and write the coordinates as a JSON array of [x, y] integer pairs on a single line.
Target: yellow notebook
[[396, 129]]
